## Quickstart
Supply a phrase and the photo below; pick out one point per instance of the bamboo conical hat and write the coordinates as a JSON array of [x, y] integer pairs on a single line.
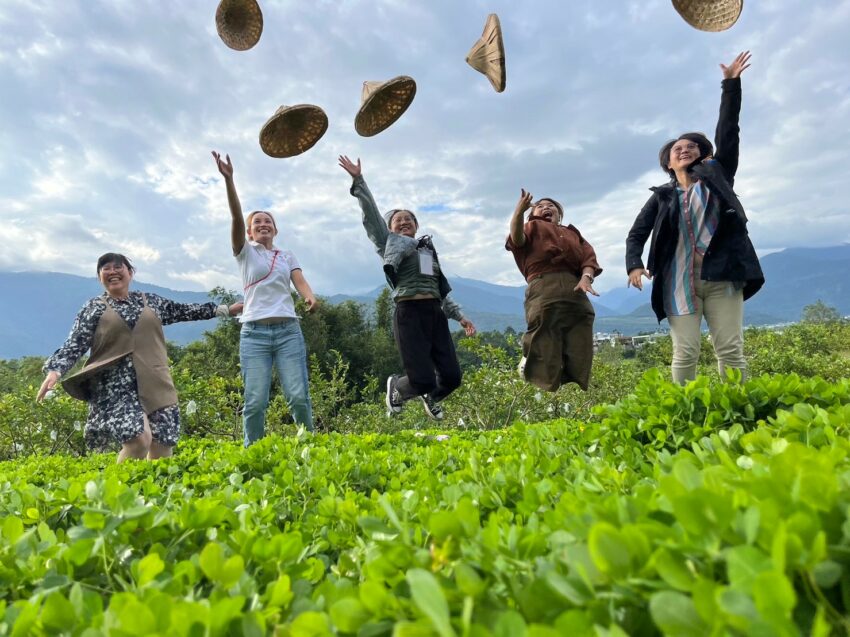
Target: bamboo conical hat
[[239, 23], [488, 54], [292, 130], [709, 15], [382, 103]]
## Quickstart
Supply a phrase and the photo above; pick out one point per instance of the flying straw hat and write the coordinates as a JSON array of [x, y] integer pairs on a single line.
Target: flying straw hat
[[292, 130], [383, 103], [239, 23], [709, 15], [488, 54]]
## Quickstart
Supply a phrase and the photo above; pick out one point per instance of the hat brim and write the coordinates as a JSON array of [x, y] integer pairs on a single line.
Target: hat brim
[[709, 15], [293, 130], [385, 106], [239, 23]]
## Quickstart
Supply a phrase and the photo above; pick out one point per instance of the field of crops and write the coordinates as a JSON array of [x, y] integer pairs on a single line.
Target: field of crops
[[708, 510]]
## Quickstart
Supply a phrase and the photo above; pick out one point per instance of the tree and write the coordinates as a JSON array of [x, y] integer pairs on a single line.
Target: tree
[[820, 312]]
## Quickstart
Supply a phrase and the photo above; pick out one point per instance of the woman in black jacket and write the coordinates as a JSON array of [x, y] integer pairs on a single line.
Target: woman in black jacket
[[701, 259]]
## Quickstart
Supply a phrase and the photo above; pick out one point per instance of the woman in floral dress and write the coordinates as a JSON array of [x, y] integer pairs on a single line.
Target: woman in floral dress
[[126, 380]]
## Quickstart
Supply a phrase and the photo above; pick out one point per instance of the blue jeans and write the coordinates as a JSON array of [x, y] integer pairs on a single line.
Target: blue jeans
[[260, 346]]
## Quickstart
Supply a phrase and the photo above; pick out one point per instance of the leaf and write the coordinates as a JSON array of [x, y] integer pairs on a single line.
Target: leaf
[[429, 599], [348, 614], [149, 567], [608, 549], [743, 564], [310, 624], [58, 613], [676, 616], [510, 624], [212, 561]]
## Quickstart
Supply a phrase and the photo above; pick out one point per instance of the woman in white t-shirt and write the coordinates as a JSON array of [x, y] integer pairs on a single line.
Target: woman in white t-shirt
[[270, 331]]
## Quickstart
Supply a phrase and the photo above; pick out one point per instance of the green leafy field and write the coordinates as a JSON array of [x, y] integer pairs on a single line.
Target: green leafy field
[[715, 509]]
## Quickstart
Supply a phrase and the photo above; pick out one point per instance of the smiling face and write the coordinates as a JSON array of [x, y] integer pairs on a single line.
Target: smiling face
[[546, 209], [403, 222], [115, 278], [261, 228], [682, 154]]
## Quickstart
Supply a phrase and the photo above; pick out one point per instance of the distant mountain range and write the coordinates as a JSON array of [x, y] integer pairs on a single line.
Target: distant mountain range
[[39, 307]]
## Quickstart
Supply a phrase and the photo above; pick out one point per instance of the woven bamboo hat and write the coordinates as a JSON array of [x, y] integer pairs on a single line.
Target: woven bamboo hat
[[383, 103], [709, 15], [292, 130], [487, 56], [239, 23]]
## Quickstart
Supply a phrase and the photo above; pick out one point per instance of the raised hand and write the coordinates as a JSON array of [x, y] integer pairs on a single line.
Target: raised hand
[[225, 168], [350, 167], [524, 202], [738, 66]]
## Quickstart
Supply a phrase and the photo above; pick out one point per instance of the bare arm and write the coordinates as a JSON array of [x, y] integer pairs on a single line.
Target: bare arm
[[237, 222], [517, 233], [303, 288]]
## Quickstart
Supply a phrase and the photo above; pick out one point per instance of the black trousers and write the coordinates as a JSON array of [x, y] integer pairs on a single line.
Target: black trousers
[[427, 351]]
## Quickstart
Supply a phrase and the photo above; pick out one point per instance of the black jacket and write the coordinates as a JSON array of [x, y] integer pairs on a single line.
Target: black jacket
[[730, 256]]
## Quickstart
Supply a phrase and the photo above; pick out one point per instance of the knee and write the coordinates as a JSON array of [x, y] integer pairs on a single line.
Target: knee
[[139, 446], [686, 352]]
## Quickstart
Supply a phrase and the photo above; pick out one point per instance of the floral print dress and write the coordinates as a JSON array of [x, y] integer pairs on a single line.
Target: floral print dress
[[115, 413]]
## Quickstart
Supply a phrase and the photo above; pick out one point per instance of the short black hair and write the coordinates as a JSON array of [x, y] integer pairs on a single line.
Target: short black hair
[[114, 257], [706, 149]]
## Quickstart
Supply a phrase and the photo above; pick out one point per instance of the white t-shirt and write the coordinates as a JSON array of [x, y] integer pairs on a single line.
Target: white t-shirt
[[265, 279]]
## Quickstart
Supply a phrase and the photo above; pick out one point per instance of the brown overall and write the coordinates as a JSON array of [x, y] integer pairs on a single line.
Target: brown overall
[[113, 340]]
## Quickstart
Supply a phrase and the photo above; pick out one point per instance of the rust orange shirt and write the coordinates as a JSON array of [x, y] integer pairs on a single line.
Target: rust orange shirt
[[550, 247]]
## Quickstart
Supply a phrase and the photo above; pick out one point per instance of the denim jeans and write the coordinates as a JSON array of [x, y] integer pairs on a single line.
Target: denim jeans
[[260, 346]]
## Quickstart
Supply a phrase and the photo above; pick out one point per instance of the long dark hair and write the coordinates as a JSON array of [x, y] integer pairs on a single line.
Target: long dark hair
[[706, 149], [114, 257]]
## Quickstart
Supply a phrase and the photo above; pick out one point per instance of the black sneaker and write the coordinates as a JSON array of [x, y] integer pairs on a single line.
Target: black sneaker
[[432, 407], [394, 400]]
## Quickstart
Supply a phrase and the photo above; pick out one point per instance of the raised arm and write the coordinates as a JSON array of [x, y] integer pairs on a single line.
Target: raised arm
[[373, 222], [517, 233], [237, 222], [727, 135]]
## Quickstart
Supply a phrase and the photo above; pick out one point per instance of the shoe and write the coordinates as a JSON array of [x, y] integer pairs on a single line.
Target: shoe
[[432, 407], [394, 399]]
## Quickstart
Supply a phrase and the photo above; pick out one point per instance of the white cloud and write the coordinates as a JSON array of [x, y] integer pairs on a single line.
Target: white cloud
[[111, 109]]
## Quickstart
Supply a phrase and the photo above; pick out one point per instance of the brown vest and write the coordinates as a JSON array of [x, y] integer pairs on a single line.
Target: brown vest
[[113, 340]]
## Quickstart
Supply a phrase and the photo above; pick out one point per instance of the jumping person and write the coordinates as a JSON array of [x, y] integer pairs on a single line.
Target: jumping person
[[126, 380], [419, 290], [701, 259], [271, 333], [560, 267]]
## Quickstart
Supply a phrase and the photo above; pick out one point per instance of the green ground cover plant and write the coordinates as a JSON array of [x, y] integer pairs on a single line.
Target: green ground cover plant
[[712, 509]]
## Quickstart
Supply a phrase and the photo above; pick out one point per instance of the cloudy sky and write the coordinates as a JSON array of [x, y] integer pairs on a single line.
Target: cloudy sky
[[109, 110]]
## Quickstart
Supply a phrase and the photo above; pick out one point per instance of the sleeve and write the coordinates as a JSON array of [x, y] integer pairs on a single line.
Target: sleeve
[[727, 137], [170, 311], [78, 342], [373, 222], [451, 309], [588, 256], [291, 261], [639, 233], [528, 231]]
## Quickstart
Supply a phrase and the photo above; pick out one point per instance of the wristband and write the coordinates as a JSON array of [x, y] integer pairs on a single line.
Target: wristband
[[222, 311]]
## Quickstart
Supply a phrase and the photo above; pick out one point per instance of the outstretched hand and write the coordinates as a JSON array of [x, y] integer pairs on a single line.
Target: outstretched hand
[[585, 285], [738, 66], [225, 168], [350, 167], [524, 202]]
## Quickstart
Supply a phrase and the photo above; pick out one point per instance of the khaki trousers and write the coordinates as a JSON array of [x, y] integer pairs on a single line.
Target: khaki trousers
[[723, 308]]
